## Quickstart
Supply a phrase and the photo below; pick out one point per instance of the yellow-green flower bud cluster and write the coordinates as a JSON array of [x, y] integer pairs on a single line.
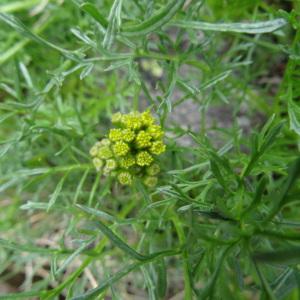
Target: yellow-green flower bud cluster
[[130, 149]]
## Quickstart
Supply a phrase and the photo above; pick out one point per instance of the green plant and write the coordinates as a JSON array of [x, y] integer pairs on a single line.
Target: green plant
[[222, 78], [130, 150]]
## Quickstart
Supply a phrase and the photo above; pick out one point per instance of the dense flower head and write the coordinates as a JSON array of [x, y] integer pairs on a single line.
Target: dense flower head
[[128, 135], [143, 139], [130, 150], [143, 158], [115, 135], [104, 152], [127, 161], [158, 147], [125, 178], [120, 148]]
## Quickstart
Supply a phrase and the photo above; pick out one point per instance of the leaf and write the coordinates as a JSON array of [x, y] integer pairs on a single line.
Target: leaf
[[127, 249], [113, 25], [149, 283], [79, 187], [26, 75], [278, 202], [216, 171], [293, 111], [94, 13], [26, 248], [117, 65], [286, 283], [83, 37], [264, 282], [94, 189], [18, 5], [22, 29], [24, 295], [118, 242], [55, 194], [251, 28], [214, 215], [92, 294], [270, 137], [8, 90], [34, 205], [215, 80], [257, 197], [286, 256], [222, 161], [208, 290], [156, 21], [166, 102], [161, 280], [97, 213], [266, 128], [261, 143], [83, 247]]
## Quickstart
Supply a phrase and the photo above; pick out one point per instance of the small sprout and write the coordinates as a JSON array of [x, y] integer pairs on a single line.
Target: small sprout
[[150, 181], [98, 144], [111, 164], [106, 171], [125, 178], [157, 71], [116, 118], [152, 67], [94, 151], [127, 152], [154, 169], [143, 158], [104, 142], [98, 163]]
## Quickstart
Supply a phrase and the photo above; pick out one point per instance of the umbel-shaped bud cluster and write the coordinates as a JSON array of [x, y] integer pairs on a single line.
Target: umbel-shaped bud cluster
[[130, 149]]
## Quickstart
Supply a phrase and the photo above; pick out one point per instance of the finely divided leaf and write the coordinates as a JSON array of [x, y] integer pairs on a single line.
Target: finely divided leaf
[[252, 28]]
